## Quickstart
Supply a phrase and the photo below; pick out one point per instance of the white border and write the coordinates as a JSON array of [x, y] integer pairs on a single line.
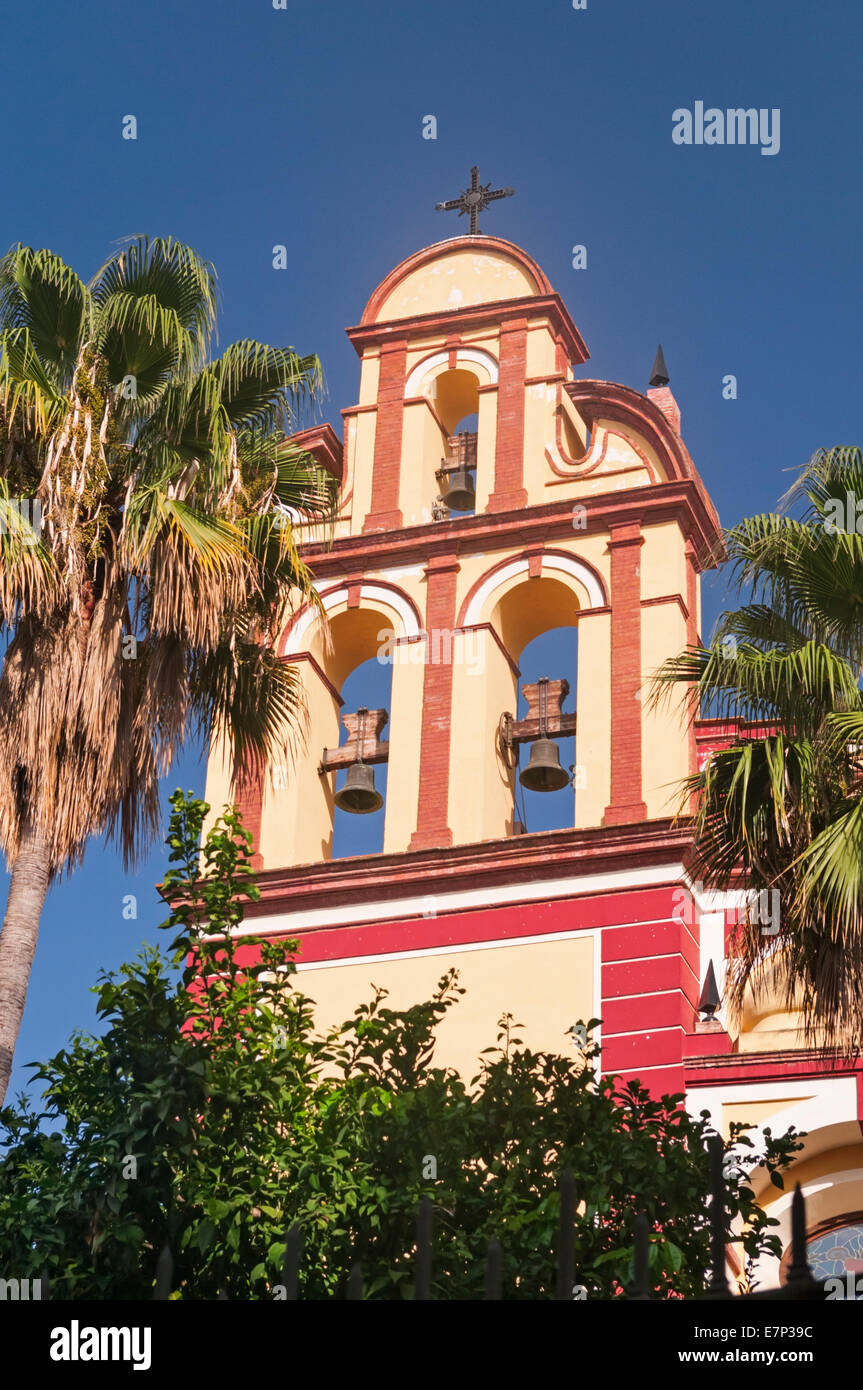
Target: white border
[[371, 911], [400, 605], [563, 564], [476, 356]]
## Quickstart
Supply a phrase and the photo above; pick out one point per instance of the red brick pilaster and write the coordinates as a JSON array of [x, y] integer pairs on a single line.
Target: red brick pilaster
[[386, 469], [250, 798], [432, 829], [626, 804], [509, 491]]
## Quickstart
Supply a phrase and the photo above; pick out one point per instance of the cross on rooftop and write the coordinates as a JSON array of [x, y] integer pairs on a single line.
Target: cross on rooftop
[[474, 199]]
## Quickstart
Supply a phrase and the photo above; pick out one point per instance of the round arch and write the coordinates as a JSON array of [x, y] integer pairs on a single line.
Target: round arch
[[379, 603], [575, 573], [527, 277], [425, 372]]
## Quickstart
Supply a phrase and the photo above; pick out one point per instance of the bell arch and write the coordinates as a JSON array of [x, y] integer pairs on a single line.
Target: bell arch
[[360, 623], [585, 582], [449, 426], [481, 363], [507, 608]]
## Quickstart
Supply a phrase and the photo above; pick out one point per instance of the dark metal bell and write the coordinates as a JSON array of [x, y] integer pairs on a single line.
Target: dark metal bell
[[461, 493], [359, 794], [544, 772]]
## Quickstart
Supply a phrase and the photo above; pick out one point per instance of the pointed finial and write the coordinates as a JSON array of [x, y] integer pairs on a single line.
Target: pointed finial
[[659, 376], [709, 1001]]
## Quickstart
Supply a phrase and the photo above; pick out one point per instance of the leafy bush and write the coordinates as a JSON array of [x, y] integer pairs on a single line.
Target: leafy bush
[[212, 1114]]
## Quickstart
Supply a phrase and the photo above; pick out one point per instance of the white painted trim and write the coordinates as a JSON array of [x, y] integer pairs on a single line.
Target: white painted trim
[[421, 370], [476, 357], [639, 960], [372, 592], [457, 949], [646, 1032], [647, 994], [784, 1199], [411, 627], [577, 569], [830, 1100], [488, 586], [562, 564], [712, 947], [656, 1066], [818, 1087], [352, 914]]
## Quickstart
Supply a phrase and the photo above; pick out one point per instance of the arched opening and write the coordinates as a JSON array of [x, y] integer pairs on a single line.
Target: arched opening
[[456, 402], [455, 394], [369, 686], [356, 664], [348, 663], [537, 621], [553, 654]]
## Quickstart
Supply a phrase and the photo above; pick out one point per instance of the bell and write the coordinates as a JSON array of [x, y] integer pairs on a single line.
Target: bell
[[461, 493], [359, 795], [544, 772]]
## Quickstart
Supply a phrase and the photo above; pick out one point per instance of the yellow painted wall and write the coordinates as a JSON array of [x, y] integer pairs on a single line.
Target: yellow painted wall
[[297, 817], [755, 1112], [546, 985], [593, 740], [422, 440], [465, 277], [403, 771], [361, 502], [664, 744], [484, 687], [485, 447]]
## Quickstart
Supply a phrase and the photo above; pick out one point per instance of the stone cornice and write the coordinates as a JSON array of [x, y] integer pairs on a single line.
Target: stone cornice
[[683, 500], [545, 855]]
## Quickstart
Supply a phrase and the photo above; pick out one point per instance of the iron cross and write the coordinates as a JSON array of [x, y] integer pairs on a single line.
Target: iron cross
[[474, 199]]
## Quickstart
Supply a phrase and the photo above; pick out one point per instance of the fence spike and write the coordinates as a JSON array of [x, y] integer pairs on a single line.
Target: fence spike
[[493, 1272], [640, 1259], [291, 1262], [799, 1272], [45, 1285], [718, 1286], [566, 1238], [164, 1274], [355, 1284], [422, 1281]]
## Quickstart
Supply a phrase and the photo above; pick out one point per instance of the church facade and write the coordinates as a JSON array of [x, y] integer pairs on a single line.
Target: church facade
[[569, 503]]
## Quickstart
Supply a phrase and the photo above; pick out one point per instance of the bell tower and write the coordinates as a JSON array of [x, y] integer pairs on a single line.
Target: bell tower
[[489, 493]]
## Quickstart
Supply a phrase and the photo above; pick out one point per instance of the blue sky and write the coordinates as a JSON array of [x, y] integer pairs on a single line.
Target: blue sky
[[303, 126]]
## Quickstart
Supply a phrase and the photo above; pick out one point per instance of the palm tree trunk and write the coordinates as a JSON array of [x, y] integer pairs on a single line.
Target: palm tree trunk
[[27, 888]]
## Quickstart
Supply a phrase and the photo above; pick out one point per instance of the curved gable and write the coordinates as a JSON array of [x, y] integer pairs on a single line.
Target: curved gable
[[456, 274]]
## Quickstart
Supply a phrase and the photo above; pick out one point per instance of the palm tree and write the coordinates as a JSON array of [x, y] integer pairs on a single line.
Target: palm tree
[[782, 807], [141, 582]]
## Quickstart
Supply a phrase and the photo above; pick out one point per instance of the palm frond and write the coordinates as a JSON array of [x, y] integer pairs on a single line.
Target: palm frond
[[245, 696], [31, 398], [40, 293], [28, 578], [153, 289]]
